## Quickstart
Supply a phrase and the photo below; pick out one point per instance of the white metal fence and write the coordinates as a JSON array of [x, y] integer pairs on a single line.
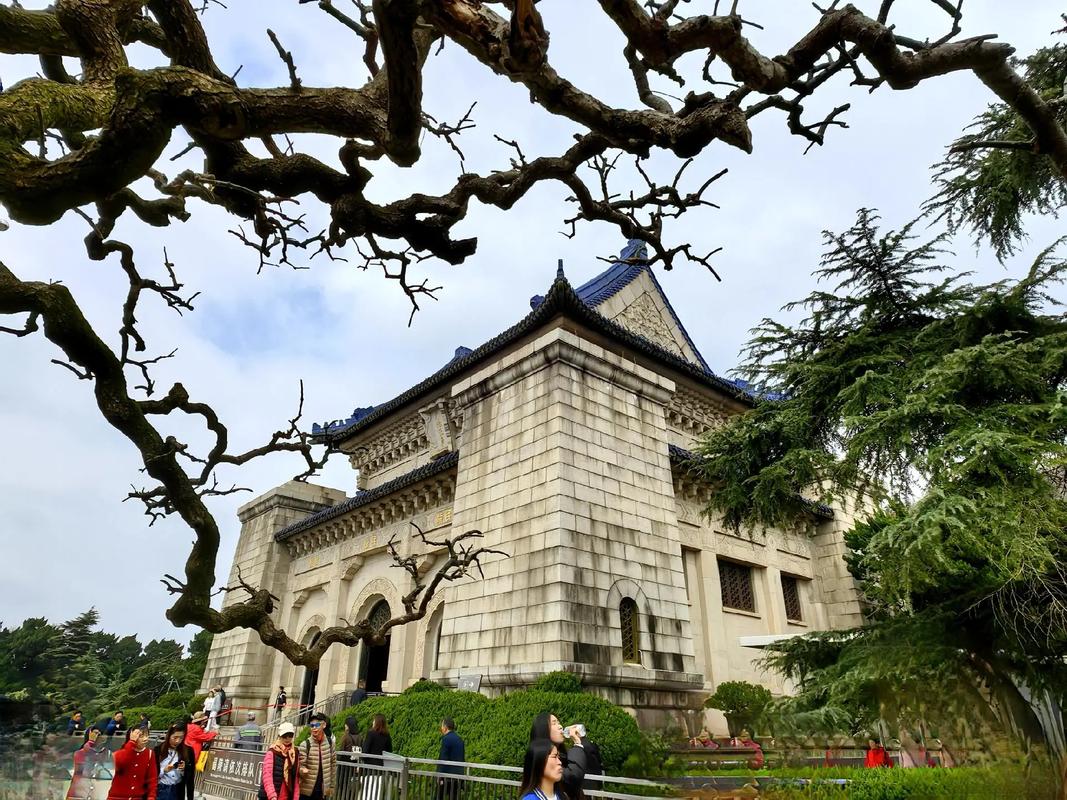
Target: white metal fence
[[236, 774]]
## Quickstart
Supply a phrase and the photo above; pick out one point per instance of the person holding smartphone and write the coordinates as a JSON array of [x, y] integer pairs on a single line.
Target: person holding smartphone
[[176, 765], [85, 760]]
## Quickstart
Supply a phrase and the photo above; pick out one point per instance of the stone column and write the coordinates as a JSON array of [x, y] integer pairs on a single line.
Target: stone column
[[836, 587], [774, 600]]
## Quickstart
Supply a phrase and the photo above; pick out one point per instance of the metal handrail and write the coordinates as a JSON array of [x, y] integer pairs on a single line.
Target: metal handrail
[[403, 770], [299, 714]]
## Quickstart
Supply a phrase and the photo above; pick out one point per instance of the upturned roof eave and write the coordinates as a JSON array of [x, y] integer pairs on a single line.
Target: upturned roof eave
[[561, 299]]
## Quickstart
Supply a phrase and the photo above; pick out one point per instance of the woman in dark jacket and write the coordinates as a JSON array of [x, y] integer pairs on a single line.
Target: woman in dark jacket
[[175, 757], [351, 744], [377, 741], [547, 726]]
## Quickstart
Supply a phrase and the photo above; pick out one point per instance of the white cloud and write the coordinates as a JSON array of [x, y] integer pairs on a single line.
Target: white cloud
[[69, 541]]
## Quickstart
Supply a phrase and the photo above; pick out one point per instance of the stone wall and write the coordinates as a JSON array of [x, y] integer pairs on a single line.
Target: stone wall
[[564, 465], [238, 660]]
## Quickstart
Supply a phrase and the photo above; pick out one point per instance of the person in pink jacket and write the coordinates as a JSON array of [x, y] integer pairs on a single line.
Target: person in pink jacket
[[280, 769], [85, 759]]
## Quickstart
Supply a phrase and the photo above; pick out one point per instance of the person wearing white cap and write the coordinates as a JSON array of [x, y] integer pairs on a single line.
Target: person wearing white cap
[[280, 766]]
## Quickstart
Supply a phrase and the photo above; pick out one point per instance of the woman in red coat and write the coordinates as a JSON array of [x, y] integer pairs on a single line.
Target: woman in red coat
[[195, 735], [85, 759], [136, 769], [876, 755]]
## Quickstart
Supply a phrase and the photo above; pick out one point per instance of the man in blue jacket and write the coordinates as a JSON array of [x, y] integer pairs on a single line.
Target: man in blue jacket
[[116, 725], [452, 749]]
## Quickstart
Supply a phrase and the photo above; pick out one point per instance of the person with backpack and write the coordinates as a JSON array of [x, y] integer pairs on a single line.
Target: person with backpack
[[279, 704], [224, 706], [197, 737], [318, 769]]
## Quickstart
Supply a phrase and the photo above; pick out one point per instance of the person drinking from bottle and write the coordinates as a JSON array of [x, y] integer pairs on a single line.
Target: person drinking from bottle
[[547, 726]]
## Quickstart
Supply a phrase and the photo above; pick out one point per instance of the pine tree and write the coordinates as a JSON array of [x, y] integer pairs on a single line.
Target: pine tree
[[943, 406], [76, 639]]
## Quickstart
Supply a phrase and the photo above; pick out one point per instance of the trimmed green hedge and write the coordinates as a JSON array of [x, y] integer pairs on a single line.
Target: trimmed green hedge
[[160, 716], [957, 783], [495, 731], [558, 681]]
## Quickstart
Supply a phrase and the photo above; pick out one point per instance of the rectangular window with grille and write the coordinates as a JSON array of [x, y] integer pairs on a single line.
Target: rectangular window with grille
[[791, 593], [736, 580]]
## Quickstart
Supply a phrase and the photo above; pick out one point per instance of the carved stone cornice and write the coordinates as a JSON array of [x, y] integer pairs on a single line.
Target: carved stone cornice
[[400, 506], [693, 414], [404, 437]]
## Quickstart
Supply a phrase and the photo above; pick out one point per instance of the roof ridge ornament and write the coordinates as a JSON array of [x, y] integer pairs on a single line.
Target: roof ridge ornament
[[559, 270], [635, 250]]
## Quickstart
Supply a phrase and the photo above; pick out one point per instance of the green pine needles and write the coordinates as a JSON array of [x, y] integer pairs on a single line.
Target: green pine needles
[[939, 406], [994, 175]]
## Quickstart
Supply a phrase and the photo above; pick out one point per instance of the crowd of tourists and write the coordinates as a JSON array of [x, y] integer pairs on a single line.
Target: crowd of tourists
[[551, 770], [139, 771]]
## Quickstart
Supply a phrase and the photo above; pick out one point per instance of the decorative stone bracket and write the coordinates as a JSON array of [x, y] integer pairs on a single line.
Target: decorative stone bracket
[[350, 567], [441, 434], [303, 595]]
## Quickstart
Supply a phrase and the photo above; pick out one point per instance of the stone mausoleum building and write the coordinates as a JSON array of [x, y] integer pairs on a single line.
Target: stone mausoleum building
[[565, 440]]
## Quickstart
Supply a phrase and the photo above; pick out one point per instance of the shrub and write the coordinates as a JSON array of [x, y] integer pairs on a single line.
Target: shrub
[[423, 685], [172, 700], [652, 757], [559, 681], [196, 703], [958, 783], [495, 731], [743, 703], [159, 715], [609, 726]]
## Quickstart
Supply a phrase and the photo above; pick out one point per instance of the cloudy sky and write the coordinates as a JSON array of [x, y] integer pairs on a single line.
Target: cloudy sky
[[69, 540]]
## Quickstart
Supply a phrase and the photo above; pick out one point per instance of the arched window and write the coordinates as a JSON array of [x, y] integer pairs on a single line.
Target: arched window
[[379, 615], [432, 645], [631, 631]]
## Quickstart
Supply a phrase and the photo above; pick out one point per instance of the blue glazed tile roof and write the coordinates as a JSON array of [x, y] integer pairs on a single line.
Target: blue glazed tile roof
[[561, 299], [356, 416]]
